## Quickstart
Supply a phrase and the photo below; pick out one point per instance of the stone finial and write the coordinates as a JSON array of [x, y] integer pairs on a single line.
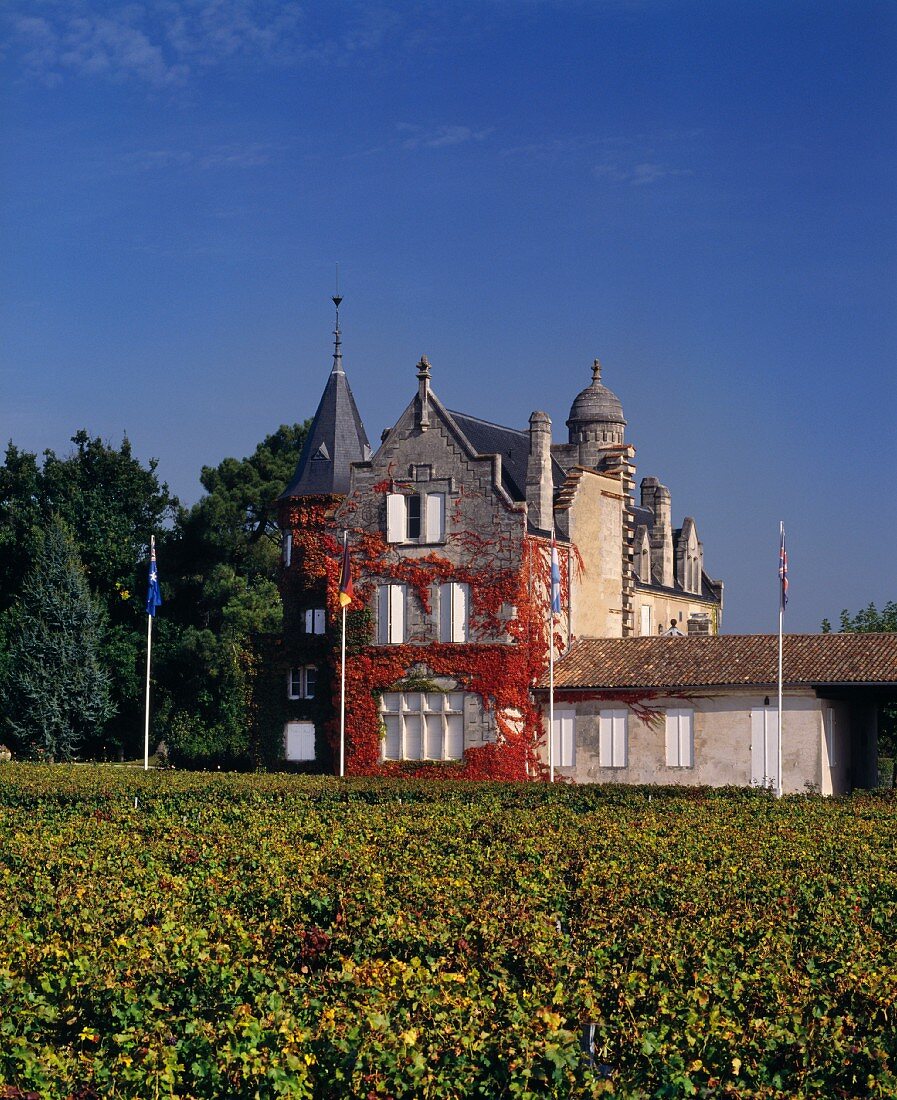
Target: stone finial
[[596, 370], [423, 393]]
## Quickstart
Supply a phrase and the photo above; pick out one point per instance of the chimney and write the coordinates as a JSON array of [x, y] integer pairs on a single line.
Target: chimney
[[656, 497], [539, 482], [423, 393], [698, 623]]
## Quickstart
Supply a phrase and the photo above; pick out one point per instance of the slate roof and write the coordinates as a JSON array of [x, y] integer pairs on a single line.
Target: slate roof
[[642, 517], [725, 660], [336, 439], [513, 446]]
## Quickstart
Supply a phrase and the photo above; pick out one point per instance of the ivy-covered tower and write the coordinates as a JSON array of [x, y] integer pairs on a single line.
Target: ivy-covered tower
[[305, 512]]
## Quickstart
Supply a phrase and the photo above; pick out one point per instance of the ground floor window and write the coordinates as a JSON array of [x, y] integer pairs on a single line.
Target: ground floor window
[[680, 737], [613, 747], [564, 746], [300, 741], [423, 725]]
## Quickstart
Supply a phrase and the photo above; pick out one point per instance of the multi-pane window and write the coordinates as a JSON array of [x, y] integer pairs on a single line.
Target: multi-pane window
[[299, 738], [680, 737], [415, 517], [314, 620], [423, 725], [454, 601], [613, 747], [391, 614], [302, 682], [564, 738]]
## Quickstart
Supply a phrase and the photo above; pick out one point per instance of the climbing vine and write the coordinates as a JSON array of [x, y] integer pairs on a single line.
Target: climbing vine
[[508, 579]]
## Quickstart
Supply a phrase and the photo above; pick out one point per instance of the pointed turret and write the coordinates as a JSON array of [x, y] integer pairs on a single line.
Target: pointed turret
[[337, 437]]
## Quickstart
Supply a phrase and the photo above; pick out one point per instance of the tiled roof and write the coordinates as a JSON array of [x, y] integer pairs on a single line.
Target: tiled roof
[[513, 446], [336, 439], [727, 660]]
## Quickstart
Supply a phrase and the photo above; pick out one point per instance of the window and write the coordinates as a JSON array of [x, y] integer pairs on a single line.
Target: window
[[415, 517], [564, 746], [454, 600], [412, 518], [391, 614], [287, 547], [680, 737], [645, 628], [613, 748], [315, 620], [300, 740], [423, 725], [302, 682]]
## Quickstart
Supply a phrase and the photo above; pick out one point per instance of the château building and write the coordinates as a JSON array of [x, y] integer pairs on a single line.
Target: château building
[[449, 524]]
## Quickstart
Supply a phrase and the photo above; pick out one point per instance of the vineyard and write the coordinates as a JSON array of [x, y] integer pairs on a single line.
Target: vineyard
[[258, 936]]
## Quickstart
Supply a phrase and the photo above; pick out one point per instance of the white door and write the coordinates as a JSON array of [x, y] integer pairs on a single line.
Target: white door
[[765, 747]]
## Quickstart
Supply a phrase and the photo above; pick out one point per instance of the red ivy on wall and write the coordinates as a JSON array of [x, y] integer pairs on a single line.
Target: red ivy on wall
[[500, 668]]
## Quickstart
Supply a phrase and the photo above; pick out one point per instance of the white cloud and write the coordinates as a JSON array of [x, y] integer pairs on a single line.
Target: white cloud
[[219, 156], [440, 136], [636, 173]]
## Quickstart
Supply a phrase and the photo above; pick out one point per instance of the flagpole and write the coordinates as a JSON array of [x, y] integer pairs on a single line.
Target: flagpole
[[149, 646], [551, 600], [342, 702], [783, 566]]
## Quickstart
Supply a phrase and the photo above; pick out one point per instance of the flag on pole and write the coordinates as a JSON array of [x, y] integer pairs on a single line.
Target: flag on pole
[[555, 578], [783, 566], [153, 595], [346, 591]]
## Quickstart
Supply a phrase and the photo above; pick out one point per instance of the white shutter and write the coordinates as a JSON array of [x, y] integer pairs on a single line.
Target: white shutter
[[395, 517], [392, 743], [565, 738], [396, 613], [620, 746], [300, 741], [646, 620], [320, 621], [435, 531], [612, 738], [413, 736], [680, 737], [287, 547], [445, 612], [764, 747], [309, 621], [460, 598], [383, 614]]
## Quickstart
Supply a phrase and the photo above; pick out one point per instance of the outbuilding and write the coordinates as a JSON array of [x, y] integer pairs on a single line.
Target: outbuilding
[[703, 710]]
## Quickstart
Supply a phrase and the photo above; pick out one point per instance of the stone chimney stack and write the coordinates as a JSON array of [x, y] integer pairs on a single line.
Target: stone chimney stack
[[539, 482], [698, 623], [656, 497], [423, 393]]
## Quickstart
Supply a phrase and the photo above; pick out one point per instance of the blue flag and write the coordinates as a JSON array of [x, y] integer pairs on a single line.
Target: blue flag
[[555, 579], [153, 595]]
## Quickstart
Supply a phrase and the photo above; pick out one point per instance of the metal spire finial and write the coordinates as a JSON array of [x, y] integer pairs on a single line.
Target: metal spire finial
[[337, 344]]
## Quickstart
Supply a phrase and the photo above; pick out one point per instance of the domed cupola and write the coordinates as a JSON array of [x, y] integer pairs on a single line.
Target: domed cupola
[[596, 419]]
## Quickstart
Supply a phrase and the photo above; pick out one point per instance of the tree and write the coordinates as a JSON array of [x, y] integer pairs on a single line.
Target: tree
[[220, 564], [111, 504], [56, 692]]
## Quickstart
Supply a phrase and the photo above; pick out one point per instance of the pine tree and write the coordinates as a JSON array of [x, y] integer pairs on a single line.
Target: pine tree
[[56, 691]]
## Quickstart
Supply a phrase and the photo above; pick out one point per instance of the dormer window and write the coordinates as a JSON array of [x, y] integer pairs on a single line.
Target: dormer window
[[415, 518]]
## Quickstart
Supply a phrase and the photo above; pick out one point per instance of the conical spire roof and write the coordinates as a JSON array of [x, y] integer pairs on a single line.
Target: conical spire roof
[[336, 439]]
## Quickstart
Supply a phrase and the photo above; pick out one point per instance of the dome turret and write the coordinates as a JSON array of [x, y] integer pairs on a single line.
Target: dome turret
[[596, 416]]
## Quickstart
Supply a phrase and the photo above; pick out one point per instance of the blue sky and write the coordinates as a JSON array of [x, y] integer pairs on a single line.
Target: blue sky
[[700, 193]]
